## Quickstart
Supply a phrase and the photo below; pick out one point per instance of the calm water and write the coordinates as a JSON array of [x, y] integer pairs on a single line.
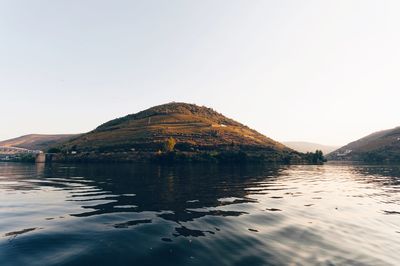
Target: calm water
[[199, 215]]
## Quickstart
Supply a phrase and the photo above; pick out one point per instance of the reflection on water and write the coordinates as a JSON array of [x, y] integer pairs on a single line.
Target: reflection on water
[[199, 215]]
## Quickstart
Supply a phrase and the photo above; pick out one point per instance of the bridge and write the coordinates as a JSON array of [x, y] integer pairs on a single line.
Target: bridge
[[5, 150]]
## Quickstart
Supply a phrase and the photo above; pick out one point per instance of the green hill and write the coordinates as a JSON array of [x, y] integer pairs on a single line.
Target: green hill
[[382, 146], [196, 130]]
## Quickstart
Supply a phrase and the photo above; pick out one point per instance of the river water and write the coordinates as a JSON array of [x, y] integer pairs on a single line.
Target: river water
[[143, 214]]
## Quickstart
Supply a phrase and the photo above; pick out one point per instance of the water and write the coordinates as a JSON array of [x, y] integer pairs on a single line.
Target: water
[[199, 215]]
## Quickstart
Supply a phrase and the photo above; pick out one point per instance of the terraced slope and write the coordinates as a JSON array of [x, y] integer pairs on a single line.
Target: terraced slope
[[195, 129]]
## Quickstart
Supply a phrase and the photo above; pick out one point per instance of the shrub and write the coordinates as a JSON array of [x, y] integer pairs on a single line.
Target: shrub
[[169, 145]]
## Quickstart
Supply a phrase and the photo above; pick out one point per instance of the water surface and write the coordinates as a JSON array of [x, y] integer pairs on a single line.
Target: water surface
[[145, 214]]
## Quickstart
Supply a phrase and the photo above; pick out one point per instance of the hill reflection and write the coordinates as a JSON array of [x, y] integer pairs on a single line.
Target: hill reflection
[[176, 194], [161, 188]]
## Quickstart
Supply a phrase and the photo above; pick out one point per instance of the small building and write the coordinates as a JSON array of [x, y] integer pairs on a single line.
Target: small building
[[345, 153]]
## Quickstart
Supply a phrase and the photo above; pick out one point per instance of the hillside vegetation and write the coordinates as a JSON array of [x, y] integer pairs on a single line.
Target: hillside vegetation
[[382, 146], [195, 130]]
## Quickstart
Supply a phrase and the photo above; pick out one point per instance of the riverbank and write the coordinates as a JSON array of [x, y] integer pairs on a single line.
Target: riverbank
[[180, 157]]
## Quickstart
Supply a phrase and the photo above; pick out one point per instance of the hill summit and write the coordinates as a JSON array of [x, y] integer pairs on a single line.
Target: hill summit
[[193, 129]]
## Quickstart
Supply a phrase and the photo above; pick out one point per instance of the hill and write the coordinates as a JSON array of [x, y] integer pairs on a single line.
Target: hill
[[382, 146], [197, 130], [303, 146], [36, 141]]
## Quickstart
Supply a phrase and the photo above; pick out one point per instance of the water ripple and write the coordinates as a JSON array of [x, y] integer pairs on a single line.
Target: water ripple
[[205, 215]]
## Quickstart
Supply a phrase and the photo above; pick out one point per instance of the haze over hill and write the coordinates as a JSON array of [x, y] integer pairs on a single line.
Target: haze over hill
[[377, 147], [37, 141], [303, 146], [195, 129]]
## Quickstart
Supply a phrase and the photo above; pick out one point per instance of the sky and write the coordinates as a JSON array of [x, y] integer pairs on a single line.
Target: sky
[[319, 71]]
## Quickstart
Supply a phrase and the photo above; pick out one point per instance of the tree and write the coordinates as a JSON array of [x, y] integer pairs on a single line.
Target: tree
[[54, 150], [169, 145], [316, 157]]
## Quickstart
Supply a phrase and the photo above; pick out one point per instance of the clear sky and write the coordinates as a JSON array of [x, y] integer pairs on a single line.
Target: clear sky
[[319, 71]]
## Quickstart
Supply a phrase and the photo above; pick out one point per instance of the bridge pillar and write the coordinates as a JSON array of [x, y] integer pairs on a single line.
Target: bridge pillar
[[40, 158]]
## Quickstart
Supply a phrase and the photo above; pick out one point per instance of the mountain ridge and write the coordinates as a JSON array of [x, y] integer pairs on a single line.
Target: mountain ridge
[[37, 141], [305, 146]]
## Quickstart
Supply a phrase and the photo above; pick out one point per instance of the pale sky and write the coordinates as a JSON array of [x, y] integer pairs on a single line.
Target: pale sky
[[318, 71]]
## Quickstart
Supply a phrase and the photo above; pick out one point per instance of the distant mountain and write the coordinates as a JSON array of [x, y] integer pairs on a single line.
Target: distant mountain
[[382, 146], [195, 129], [303, 146], [37, 141]]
